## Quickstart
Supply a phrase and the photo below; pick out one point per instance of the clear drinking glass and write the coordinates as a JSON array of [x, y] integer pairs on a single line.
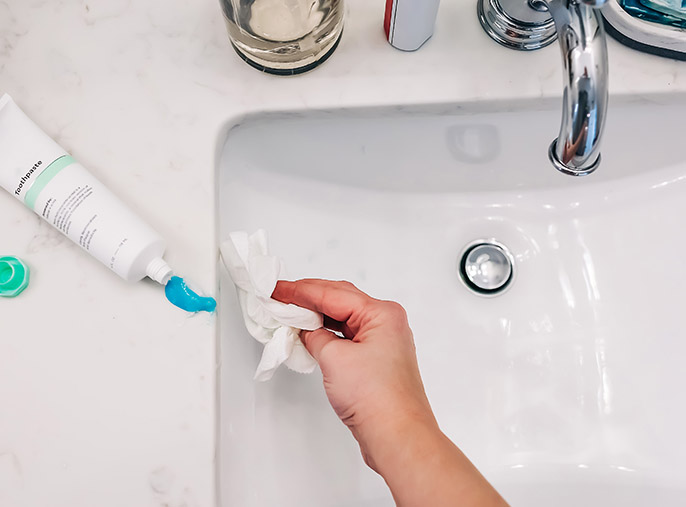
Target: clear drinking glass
[[284, 36]]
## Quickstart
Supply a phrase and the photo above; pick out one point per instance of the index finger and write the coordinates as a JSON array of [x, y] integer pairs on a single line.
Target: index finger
[[338, 300]]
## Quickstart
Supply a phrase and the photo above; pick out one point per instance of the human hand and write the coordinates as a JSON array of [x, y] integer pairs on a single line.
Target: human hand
[[371, 379], [373, 383]]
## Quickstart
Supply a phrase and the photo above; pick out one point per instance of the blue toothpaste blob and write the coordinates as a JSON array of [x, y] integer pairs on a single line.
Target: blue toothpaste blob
[[180, 295]]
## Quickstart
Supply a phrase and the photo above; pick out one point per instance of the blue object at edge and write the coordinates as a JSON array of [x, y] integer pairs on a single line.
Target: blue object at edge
[[638, 10], [180, 295]]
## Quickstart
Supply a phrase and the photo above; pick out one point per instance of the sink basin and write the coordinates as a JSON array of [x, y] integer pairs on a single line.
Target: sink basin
[[564, 390]]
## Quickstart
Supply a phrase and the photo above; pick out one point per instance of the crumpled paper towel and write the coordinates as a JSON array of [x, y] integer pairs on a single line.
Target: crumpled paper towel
[[270, 322]]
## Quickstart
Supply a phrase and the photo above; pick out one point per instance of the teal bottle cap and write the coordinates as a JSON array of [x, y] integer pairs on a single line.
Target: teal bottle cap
[[14, 276]]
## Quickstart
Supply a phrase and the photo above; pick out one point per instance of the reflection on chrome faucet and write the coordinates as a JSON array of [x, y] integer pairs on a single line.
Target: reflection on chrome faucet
[[533, 24]]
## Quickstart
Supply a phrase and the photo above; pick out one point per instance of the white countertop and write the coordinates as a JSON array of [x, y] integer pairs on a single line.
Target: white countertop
[[107, 392]]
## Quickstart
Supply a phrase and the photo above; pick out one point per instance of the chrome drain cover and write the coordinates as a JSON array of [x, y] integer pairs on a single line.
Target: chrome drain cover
[[486, 267]]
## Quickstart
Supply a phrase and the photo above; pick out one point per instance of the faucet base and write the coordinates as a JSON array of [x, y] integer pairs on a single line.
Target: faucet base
[[520, 25], [564, 168]]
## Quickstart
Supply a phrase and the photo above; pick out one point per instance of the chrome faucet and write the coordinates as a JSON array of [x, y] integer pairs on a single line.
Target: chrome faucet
[[533, 24]]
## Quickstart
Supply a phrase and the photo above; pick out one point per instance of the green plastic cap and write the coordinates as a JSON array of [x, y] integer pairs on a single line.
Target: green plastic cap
[[14, 277]]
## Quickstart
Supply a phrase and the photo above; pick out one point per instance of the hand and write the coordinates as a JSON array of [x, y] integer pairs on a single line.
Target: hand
[[373, 383], [371, 379]]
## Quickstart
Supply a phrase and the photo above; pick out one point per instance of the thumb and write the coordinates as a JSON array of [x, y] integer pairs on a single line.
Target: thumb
[[316, 340]]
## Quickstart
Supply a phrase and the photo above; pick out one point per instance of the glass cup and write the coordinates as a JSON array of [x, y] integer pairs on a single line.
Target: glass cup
[[284, 36]]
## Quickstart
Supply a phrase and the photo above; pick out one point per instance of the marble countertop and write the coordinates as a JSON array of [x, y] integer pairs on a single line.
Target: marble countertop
[[107, 392]]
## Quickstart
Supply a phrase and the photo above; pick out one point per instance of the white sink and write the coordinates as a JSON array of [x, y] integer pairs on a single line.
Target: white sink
[[566, 390]]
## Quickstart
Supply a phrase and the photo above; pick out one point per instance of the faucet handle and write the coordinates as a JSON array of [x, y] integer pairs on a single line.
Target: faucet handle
[[524, 25]]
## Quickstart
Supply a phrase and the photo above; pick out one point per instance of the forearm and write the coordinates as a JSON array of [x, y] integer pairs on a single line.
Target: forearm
[[423, 467]]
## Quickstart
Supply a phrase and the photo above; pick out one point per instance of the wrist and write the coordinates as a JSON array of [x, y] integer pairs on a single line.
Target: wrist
[[423, 467], [392, 439]]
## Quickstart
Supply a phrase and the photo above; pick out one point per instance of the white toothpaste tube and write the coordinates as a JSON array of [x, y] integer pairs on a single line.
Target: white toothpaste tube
[[42, 175]]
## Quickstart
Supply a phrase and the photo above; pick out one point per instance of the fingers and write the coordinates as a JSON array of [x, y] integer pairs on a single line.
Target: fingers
[[338, 300], [340, 327], [315, 341]]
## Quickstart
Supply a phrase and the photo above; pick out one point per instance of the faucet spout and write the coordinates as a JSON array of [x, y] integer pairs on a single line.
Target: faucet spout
[[576, 24], [576, 150]]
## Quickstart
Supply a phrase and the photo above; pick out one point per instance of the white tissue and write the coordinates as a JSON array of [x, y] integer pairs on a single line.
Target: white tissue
[[274, 324]]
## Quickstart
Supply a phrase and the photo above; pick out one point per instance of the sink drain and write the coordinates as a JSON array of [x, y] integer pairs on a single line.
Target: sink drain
[[486, 267]]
